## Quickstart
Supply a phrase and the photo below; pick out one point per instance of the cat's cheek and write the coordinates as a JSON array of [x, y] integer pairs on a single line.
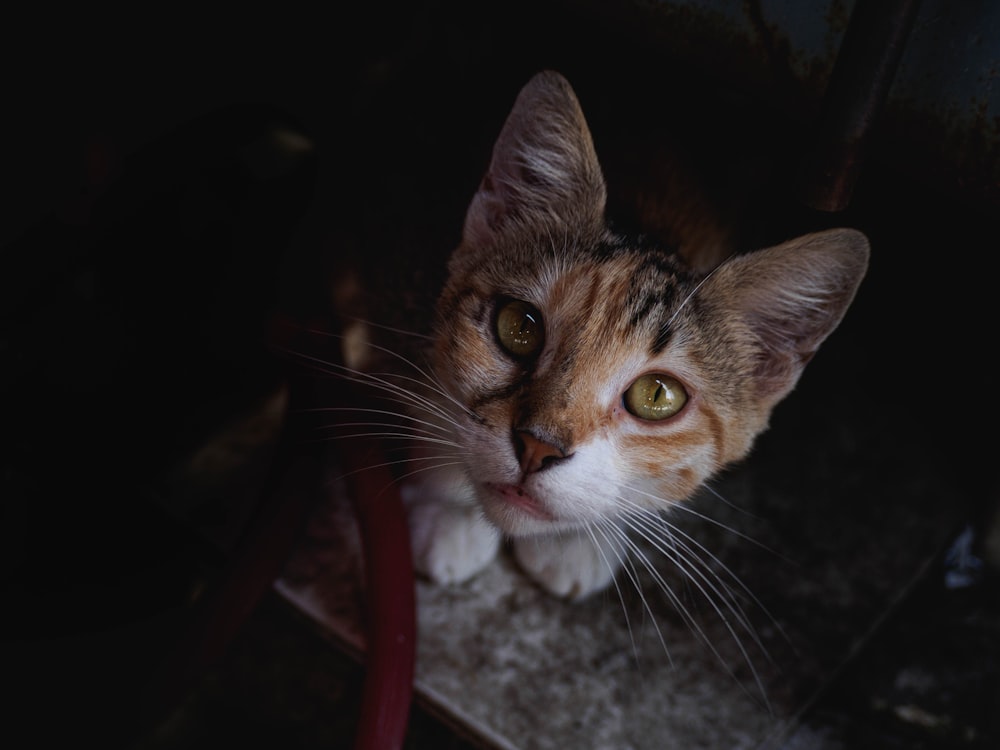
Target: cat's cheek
[[658, 471], [465, 359], [464, 385], [585, 490]]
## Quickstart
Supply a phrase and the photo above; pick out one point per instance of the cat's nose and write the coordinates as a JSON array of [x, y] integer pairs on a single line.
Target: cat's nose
[[533, 453]]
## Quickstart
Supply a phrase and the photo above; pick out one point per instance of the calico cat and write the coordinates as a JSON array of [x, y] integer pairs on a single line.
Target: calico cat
[[573, 380]]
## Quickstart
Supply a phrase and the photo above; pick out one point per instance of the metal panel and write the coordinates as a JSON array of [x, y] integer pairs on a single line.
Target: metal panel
[[942, 117]]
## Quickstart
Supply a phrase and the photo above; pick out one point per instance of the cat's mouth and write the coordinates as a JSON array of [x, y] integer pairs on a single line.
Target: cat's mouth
[[513, 495]]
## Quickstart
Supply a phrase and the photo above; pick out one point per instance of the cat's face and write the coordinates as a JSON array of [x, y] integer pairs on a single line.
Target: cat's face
[[594, 375], [597, 360]]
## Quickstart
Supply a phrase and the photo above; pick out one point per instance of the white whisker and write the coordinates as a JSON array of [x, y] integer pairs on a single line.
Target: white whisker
[[694, 291], [624, 564], [686, 508], [664, 585], [403, 477], [696, 571], [403, 461], [387, 381], [718, 495], [412, 423], [388, 434], [678, 531], [693, 559], [428, 380], [390, 329], [402, 395], [621, 545], [689, 565], [394, 380]]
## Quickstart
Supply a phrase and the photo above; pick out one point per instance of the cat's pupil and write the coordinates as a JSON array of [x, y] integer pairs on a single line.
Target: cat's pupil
[[519, 328], [654, 397]]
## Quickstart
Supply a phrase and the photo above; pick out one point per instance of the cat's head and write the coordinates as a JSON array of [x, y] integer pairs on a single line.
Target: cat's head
[[596, 373]]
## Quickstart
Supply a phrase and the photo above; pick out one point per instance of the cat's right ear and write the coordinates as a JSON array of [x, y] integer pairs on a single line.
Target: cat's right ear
[[544, 170]]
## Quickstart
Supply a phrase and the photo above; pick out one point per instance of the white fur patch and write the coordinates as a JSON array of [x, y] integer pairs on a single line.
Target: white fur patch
[[571, 566]]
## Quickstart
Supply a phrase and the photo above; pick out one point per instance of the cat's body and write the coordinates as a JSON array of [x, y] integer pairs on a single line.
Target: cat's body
[[572, 381]]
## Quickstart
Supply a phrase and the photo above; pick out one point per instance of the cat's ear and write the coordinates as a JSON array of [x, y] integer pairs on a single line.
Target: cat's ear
[[791, 297], [544, 169]]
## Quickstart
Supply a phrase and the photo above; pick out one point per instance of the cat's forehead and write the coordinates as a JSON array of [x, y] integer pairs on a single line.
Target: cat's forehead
[[608, 286]]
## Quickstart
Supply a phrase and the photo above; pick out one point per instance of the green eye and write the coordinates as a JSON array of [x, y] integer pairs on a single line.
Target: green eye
[[519, 328], [655, 397]]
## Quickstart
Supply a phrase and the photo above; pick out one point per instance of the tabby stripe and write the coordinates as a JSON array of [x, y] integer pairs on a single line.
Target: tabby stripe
[[497, 394], [716, 429], [609, 248], [641, 309], [663, 336]]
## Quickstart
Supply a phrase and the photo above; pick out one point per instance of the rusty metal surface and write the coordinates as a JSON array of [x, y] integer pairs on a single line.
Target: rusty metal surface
[[855, 97], [942, 114]]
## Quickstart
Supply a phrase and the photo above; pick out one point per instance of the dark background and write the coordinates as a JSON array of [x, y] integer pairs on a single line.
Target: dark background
[[152, 232]]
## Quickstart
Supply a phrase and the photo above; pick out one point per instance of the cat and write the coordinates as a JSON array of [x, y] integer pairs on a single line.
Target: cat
[[573, 379]]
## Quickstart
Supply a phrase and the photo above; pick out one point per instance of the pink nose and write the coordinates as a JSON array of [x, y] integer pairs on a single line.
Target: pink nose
[[534, 454]]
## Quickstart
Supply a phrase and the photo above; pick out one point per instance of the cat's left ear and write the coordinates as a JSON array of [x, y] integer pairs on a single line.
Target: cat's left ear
[[791, 297], [544, 170]]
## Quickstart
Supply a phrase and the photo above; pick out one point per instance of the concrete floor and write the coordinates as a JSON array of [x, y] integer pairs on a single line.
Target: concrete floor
[[928, 679]]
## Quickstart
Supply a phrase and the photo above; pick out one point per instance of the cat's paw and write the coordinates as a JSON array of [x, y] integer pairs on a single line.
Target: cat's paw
[[451, 543], [569, 566]]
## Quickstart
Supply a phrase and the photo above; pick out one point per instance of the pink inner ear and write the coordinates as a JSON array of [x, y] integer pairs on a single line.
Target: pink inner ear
[[492, 204], [543, 168], [777, 371], [790, 329], [793, 296], [485, 213]]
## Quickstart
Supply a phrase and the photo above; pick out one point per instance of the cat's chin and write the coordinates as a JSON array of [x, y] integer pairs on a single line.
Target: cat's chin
[[516, 512]]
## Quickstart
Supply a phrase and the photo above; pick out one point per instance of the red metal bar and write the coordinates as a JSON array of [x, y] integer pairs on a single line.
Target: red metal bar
[[391, 604]]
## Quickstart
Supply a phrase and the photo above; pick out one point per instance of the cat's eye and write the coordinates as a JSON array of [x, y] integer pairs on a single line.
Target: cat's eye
[[519, 328], [654, 397]]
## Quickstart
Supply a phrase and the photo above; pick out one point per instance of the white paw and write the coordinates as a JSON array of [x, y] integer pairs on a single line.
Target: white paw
[[451, 543], [570, 566]]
